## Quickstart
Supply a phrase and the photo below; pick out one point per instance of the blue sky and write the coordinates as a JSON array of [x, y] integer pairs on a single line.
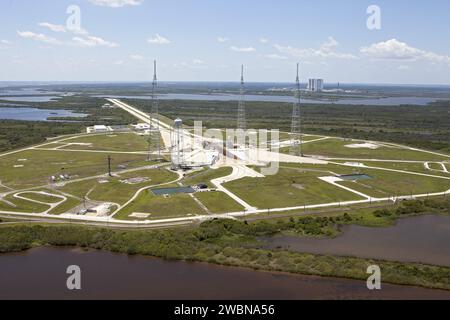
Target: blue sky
[[202, 40]]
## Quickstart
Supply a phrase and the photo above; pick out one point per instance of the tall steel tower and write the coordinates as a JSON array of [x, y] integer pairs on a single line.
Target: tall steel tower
[[154, 138], [296, 136], [241, 121]]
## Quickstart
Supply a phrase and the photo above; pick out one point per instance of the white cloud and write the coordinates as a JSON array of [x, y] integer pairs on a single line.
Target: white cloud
[[5, 44], [222, 39], [38, 37], [275, 56], [53, 27], [136, 57], [326, 50], [396, 50], [119, 62], [243, 49], [158, 40], [91, 41], [264, 40], [116, 3], [60, 28]]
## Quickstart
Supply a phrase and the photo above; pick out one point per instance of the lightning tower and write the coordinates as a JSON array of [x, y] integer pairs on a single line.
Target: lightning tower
[[296, 137], [241, 122], [154, 138]]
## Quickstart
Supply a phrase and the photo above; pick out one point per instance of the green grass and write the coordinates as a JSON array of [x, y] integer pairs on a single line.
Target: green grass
[[41, 165], [115, 190], [404, 166], [22, 206], [394, 183], [67, 205], [206, 175], [384, 183], [111, 142], [159, 207], [41, 197], [289, 188], [368, 190], [218, 202], [336, 148]]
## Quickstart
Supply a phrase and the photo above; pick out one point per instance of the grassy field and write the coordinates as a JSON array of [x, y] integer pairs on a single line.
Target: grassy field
[[412, 167], [206, 175], [111, 142], [336, 148], [41, 165], [218, 202], [67, 205], [115, 190], [160, 207], [401, 184], [22, 205], [383, 183], [41, 197], [289, 188]]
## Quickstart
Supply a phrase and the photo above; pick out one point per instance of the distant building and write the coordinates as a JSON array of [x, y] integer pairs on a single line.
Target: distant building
[[315, 85], [100, 128]]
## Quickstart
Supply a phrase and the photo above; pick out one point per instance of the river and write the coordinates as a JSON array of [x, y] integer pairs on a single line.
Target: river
[[41, 274], [35, 114], [423, 239]]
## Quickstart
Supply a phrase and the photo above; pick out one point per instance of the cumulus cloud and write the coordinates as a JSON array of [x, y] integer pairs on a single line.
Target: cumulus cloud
[[38, 37], [158, 40], [60, 28], [116, 3], [242, 49], [264, 40], [53, 27], [79, 41], [394, 49], [326, 50], [91, 41]]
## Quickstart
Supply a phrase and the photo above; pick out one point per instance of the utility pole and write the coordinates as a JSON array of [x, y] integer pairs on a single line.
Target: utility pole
[[109, 166], [296, 135]]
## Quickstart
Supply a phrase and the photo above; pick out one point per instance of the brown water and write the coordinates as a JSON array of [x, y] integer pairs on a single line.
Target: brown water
[[423, 239], [40, 273]]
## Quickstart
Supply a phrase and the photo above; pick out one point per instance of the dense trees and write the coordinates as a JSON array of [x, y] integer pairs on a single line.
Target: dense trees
[[421, 126]]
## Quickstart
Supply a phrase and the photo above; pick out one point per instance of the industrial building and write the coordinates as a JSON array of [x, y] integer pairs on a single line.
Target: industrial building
[[98, 129], [315, 85]]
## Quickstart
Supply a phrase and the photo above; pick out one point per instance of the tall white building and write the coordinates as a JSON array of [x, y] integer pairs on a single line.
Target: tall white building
[[315, 85]]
